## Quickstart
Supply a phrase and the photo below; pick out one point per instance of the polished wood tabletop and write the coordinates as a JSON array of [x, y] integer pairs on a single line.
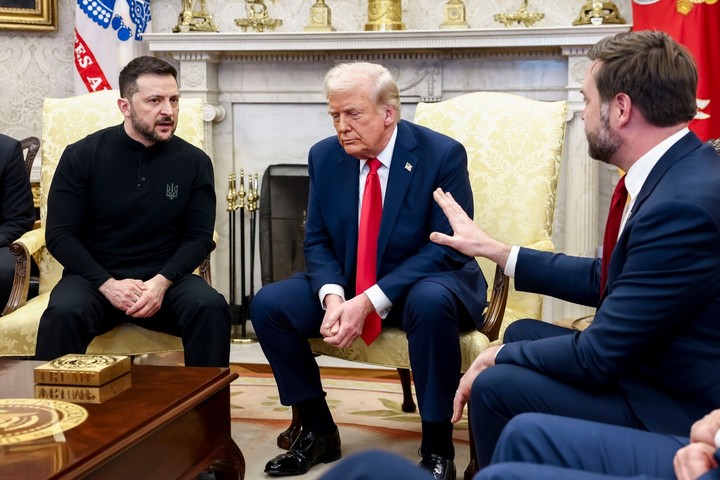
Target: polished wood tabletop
[[173, 422]]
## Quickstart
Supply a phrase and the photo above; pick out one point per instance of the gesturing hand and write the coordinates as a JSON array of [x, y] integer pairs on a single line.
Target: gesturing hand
[[467, 237]]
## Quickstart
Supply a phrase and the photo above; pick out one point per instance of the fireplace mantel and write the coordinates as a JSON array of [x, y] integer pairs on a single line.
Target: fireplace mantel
[[228, 44], [264, 105]]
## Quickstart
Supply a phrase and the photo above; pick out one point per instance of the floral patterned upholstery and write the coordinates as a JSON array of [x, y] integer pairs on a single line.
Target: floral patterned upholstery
[[67, 120], [514, 148]]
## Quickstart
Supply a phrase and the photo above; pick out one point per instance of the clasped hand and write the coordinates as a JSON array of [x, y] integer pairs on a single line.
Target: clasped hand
[[136, 298], [696, 459], [343, 321]]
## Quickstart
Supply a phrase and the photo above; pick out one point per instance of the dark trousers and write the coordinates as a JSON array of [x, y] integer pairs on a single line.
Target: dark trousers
[[504, 391], [191, 309], [573, 446], [7, 272], [286, 313]]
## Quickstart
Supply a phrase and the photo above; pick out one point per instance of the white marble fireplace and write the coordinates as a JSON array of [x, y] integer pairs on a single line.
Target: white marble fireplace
[[264, 103]]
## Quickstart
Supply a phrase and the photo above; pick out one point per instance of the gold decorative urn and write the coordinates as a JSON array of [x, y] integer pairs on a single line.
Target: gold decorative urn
[[384, 15]]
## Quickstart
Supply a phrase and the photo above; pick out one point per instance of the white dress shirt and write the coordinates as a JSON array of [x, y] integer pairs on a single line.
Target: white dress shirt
[[634, 181], [377, 297]]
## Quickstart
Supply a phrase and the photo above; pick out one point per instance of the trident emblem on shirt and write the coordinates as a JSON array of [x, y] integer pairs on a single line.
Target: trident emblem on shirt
[[171, 191]]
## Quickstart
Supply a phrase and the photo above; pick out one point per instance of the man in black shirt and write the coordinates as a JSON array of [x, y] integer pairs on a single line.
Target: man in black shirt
[[131, 213]]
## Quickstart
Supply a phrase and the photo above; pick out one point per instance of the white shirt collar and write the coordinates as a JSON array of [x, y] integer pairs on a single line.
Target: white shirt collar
[[385, 156], [638, 173]]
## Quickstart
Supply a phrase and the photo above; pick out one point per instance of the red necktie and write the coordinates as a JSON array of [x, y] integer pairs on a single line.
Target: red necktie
[[612, 228], [370, 216]]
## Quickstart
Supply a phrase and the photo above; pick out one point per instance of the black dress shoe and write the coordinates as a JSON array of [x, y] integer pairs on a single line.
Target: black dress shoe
[[441, 468], [308, 450]]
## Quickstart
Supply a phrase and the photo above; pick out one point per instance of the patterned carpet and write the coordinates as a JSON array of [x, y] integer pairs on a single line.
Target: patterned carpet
[[367, 411]]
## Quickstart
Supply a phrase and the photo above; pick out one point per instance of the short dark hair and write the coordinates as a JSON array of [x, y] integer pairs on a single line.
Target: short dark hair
[[657, 73], [138, 67]]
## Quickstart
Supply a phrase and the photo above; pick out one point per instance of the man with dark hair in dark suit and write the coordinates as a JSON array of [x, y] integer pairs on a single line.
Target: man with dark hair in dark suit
[[17, 212], [649, 360]]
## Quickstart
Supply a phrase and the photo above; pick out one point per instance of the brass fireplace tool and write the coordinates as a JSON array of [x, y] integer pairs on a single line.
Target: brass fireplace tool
[[238, 200]]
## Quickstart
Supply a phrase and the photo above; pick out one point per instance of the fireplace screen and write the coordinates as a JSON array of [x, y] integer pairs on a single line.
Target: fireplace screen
[[283, 206]]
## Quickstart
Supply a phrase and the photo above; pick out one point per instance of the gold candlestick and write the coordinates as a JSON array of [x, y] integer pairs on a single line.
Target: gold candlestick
[[384, 15]]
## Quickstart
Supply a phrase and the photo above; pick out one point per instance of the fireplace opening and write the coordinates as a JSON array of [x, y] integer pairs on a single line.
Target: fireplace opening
[[283, 207]]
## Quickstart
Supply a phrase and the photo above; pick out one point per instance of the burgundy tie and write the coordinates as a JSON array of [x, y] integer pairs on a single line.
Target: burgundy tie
[[370, 217], [612, 229]]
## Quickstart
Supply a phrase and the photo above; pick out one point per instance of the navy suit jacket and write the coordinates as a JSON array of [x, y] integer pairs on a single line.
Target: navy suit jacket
[[422, 161], [17, 212], [656, 333]]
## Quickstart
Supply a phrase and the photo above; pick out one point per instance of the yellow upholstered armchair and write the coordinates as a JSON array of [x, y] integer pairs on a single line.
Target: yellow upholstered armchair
[[514, 148], [67, 120]]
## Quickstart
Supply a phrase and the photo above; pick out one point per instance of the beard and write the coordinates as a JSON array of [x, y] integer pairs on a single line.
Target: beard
[[602, 142], [148, 131]]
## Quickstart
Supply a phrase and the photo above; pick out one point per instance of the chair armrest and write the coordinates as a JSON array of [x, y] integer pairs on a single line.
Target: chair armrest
[[496, 307], [22, 248], [498, 297], [204, 268]]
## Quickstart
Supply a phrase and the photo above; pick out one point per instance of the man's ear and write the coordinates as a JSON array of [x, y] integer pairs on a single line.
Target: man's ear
[[624, 106], [390, 115], [124, 106]]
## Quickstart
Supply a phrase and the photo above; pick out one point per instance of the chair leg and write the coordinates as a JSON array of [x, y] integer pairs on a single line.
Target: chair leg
[[408, 405], [288, 437], [472, 468]]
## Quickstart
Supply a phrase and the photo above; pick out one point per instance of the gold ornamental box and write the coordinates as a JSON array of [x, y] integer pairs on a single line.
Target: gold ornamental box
[[84, 394], [82, 370]]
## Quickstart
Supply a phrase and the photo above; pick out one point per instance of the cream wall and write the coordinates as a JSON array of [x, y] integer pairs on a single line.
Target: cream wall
[[38, 65]]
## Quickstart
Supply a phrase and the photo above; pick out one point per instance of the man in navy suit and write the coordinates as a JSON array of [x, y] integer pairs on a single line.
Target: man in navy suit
[[650, 358], [17, 212], [430, 291]]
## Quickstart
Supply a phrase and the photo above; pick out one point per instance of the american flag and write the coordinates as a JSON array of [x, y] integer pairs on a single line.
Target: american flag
[[108, 34]]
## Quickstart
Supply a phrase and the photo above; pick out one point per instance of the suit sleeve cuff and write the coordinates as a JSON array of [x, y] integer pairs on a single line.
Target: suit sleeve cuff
[[330, 289], [509, 269], [379, 300]]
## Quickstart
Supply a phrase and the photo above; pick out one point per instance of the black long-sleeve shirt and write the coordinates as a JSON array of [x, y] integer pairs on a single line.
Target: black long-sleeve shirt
[[119, 209], [17, 212]]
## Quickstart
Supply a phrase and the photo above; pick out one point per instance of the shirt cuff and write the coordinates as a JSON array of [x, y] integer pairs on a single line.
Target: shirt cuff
[[330, 289], [379, 300], [509, 269]]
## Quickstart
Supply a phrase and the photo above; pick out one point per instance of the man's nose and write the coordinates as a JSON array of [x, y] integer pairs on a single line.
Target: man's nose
[[166, 108], [343, 125]]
